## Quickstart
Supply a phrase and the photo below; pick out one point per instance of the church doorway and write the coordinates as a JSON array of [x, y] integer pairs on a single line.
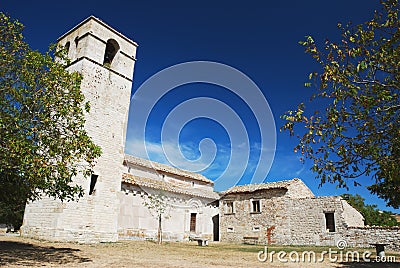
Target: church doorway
[[215, 221]]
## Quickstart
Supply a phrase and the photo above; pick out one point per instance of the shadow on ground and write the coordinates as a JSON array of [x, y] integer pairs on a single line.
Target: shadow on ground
[[17, 253]]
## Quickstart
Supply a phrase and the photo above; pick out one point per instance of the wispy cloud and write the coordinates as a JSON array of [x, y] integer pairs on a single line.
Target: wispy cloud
[[184, 156], [213, 161]]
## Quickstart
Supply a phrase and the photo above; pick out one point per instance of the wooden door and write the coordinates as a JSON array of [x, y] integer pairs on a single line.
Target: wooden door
[[193, 222]]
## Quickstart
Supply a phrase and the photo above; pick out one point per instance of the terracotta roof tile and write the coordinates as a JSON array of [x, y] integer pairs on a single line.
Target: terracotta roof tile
[[165, 168], [168, 186], [248, 188]]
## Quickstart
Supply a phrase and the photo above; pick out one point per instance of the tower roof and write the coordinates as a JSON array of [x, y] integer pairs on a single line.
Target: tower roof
[[103, 24]]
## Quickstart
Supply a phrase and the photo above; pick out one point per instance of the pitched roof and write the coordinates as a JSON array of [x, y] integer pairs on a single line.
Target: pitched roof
[[296, 186], [249, 188], [168, 186], [165, 168]]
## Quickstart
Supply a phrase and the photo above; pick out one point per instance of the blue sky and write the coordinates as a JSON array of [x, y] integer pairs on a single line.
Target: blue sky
[[205, 126]]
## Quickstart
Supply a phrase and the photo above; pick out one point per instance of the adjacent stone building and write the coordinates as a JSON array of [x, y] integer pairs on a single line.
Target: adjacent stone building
[[288, 213], [284, 212]]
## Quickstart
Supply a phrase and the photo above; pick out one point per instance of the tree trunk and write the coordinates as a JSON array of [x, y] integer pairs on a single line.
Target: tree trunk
[[159, 236]]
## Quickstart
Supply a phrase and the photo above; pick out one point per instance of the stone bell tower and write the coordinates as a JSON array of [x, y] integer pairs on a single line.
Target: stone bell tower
[[106, 59]]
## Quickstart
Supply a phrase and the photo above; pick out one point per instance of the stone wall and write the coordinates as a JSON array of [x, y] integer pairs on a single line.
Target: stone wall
[[297, 189], [351, 217], [365, 236], [245, 223], [308, 223]]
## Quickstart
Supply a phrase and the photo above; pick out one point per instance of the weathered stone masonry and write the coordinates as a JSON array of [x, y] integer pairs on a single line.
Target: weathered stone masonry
[[364, 236], [289, 214], [107, 86]]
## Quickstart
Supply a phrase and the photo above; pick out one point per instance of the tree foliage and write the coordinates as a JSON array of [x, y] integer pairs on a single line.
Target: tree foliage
[[358, 133], [372, 216], [43, 142]]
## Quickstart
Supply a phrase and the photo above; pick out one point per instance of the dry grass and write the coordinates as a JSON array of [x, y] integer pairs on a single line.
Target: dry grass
[[18, 251]]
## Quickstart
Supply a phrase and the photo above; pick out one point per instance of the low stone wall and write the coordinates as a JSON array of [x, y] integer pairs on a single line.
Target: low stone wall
[[365, 236]]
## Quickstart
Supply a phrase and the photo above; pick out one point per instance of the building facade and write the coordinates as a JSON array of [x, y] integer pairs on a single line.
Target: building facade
[[191, 209]]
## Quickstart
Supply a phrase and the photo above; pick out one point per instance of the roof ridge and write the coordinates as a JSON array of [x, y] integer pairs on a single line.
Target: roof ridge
[[270, 182], [251, 187]]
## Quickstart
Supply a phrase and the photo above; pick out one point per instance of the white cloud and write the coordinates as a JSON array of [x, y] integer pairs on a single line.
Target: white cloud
[[221, 168], [183, 156]]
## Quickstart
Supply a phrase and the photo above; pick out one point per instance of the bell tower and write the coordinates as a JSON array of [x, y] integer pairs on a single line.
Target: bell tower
[[106, 58]]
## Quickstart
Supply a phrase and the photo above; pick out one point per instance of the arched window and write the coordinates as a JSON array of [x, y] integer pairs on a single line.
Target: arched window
[[76, 41], [112, 48]]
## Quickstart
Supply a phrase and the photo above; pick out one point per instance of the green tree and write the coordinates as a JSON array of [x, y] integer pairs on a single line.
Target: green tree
[[43, 142], [358, 132], [158, 206], [372, 216]]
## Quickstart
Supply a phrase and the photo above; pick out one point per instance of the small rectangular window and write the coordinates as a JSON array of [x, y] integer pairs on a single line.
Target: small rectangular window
[[230, 230], [93, 180], [229, 207], [255, 206], [330, 222], [256, 228]]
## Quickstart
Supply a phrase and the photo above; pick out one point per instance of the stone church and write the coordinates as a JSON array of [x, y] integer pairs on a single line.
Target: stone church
[[113, 206]]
